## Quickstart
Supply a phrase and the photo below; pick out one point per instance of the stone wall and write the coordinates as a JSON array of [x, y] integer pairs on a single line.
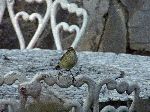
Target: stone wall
[[113, 26]]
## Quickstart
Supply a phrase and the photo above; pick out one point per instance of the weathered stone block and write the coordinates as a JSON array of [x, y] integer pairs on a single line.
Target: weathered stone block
[[138, 24], [96, 10], [97, 66], [114, 34]]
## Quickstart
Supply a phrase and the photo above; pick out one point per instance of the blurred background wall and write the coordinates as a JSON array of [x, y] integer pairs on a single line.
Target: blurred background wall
[[120, 26]]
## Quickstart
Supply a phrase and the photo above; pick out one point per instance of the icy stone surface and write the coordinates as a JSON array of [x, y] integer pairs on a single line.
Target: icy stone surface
[[96, 65]]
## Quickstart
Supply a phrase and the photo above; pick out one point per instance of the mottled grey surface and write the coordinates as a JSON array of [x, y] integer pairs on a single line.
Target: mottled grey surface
[[97, 66], [113, 26], [96, 10], [115, 29], [138, 24]]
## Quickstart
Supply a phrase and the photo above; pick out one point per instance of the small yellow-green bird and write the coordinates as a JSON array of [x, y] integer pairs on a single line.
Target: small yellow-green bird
[[68, 60]]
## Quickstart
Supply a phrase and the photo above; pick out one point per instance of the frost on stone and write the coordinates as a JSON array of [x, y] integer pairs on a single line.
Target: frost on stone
[[121, 88], [33, 90]]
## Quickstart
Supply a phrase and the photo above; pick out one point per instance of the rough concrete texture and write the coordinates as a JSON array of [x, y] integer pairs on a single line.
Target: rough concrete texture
[[97, 66], [114, 34], [138, 24], [96, 9], [29, 63]]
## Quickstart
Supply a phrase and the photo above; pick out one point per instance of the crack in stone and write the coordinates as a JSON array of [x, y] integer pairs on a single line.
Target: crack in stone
[[105, 17]]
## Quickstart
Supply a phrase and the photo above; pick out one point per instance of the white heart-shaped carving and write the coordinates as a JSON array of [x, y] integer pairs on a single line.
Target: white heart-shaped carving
[[42, 21], [72, 8]]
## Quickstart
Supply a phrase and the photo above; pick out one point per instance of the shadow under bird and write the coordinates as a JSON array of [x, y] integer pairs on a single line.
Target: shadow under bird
[[68, 60]]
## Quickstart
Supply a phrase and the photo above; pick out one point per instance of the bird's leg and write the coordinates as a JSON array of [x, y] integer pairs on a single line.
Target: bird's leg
[[59, 74], [73, 78]]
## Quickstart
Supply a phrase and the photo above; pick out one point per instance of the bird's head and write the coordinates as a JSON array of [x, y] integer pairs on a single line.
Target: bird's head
[[70, 49]]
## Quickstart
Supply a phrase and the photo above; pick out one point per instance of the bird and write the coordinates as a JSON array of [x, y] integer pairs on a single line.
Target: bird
[[68, 60]]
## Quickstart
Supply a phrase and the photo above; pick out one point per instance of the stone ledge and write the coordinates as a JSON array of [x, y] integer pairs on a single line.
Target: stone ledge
[[97, 66]]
